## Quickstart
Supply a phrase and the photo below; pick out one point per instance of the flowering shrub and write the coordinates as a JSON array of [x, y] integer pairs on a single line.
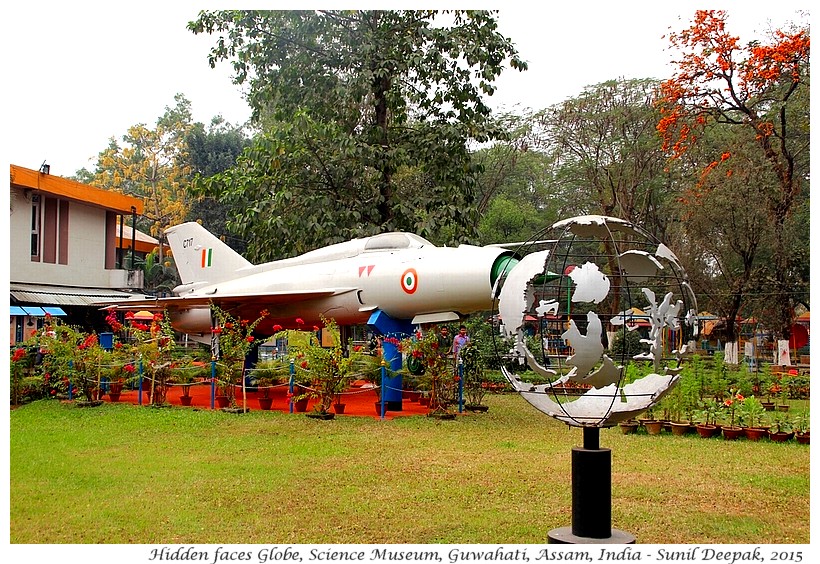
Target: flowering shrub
[[731, 403], [235, 339], [330, 370], [438, 370], [22, 381]]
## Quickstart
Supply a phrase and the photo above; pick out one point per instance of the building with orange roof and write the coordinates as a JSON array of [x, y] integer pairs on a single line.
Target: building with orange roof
[[70, 249]]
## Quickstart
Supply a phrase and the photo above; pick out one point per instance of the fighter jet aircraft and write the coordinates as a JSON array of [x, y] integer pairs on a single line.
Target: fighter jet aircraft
[[400, 274]]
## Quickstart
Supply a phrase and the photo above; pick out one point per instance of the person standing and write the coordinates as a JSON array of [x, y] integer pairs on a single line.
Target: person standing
[[459, 341], [445, 341]]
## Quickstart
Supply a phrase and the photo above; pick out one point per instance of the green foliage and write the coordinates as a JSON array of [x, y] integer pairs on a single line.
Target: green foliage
[[330, 370], [474, 387], [751, 412], [235, 338], [626, 345], [366, 117]]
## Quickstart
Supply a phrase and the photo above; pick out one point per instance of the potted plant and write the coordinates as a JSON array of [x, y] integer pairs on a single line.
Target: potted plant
[[752, 417], [438, 371], [267, 374], [801, 423], [732, 431], [782, 428], [473, 372], [235, 339], [331, 369], [709, 412]]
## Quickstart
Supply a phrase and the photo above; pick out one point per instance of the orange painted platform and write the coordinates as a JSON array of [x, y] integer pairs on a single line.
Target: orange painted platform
[[359, 402]]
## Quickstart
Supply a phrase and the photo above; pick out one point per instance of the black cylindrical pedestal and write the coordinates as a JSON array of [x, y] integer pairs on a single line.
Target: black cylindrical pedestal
[[591, 497], [591, 492]]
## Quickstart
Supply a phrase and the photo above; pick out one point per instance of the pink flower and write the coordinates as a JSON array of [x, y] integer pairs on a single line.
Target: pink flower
[[300, 321]]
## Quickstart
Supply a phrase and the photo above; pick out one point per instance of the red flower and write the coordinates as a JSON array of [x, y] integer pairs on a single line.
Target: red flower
[[315, 329], [300, 321], [157, 317], [118, 345], [357, 348], [129, 315], [249, 338], [277, 328], [228, 325], [216, 330], [129, 368], [304, 364], [19, 354]]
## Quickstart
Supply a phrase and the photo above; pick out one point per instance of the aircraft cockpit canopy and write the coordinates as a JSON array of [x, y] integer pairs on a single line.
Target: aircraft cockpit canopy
[[395, 240]]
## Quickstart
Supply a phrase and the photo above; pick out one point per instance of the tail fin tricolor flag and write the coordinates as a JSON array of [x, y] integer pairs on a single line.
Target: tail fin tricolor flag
[[207, 256]]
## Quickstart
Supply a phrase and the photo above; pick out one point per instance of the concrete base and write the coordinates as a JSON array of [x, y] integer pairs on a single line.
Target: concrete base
[[563, 535]]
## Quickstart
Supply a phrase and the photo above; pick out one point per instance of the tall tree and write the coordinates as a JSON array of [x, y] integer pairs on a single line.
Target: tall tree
[[152, 165], [758, 88], [367, 117], [607, 153], [211, 150]]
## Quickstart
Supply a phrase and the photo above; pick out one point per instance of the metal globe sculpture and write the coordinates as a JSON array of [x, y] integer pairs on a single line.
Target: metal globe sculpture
[[582, 285]]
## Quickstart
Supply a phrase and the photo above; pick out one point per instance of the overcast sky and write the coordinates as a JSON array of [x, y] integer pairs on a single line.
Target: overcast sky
[[80, 73]]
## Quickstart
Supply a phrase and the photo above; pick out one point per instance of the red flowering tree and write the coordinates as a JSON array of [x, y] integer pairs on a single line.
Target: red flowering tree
[[152, 343], [763, 89], [234, 340], [423, 349]]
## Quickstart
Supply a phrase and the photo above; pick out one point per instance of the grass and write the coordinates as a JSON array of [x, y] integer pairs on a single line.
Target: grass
[[121, 473]]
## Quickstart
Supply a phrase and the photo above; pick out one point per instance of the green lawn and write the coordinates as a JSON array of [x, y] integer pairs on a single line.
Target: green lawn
[[121, 473]]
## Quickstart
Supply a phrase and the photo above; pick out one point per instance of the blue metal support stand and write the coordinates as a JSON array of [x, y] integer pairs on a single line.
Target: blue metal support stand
[[213, 383], [460, 386], [140, 384], [290, 384], [382, 406], [386, 326]]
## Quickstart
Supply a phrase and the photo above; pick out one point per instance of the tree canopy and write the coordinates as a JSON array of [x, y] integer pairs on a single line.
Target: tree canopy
[[761, 88], [366, 121]]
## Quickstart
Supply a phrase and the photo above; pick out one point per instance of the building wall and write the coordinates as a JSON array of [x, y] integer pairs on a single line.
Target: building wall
[[86, 249]]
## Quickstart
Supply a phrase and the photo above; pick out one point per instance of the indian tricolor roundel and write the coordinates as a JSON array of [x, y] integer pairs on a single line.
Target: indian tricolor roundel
[[410, 280]]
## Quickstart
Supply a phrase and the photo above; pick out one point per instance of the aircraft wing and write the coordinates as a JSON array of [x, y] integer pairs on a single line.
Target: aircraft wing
[[264, 299]]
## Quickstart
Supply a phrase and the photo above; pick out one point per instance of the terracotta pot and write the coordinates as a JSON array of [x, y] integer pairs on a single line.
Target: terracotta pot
[[733, 433], [265, 403], [653, 426], [628, 427], [755, 433], [707, 431], [300, 406], [379, 408], [802, 438], [780, 437], [679, 429], [114, 396], [339, 408]]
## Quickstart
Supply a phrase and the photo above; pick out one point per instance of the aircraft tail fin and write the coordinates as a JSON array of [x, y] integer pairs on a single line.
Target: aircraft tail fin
[[201, 257]]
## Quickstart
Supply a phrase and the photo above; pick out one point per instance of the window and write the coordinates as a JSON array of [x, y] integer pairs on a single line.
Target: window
[[35, 227]]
